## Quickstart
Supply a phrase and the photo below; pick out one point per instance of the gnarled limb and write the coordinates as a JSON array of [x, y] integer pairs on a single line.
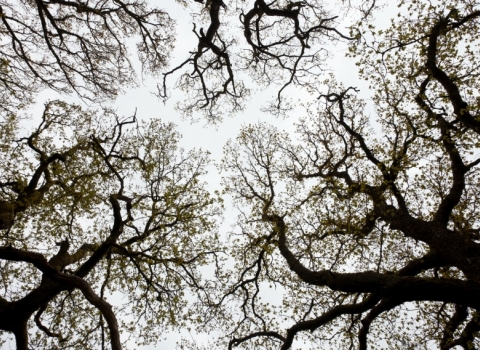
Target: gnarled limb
[[39, 324], [67, 282], [443, 26], [44, 49]]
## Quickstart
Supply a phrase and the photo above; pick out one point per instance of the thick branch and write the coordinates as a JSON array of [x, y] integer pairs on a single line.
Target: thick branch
[[115, 233], [70, 281], [460, 107], [386, 285], [460, 315], [235, 342]]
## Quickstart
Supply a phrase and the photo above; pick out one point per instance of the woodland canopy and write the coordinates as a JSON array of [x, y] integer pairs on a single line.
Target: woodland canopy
[[361, 223]]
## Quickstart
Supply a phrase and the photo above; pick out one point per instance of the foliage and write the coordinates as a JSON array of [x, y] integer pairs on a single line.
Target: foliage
[[77, 46], [102, 205], [368, 226], [363, 226], [280, 43]]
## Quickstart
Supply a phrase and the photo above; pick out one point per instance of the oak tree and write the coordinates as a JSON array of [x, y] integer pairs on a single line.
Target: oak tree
[[78, 46], [367, 222], [92, 204], [95, 207], [279, 43]]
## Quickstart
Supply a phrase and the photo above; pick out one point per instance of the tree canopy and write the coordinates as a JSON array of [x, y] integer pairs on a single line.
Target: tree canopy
[[363, 221], [100, 197], [78, 46], [372, 234]]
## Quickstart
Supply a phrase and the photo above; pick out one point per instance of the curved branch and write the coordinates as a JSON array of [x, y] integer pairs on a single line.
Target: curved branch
[[337, 311], [70, 281], [237, 341], [388, 285], [39, 324], [115, 232], [460, 107]]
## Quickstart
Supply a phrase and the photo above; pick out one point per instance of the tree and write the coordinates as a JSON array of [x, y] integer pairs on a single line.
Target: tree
[[371, 236], [100, 204], [75, 46], [92, 203], [368, 225], [283, 47], [82, 47]]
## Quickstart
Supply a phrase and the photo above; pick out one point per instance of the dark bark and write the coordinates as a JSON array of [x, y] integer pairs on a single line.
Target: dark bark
[[53, 282], [448, 246], [21, 336]]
